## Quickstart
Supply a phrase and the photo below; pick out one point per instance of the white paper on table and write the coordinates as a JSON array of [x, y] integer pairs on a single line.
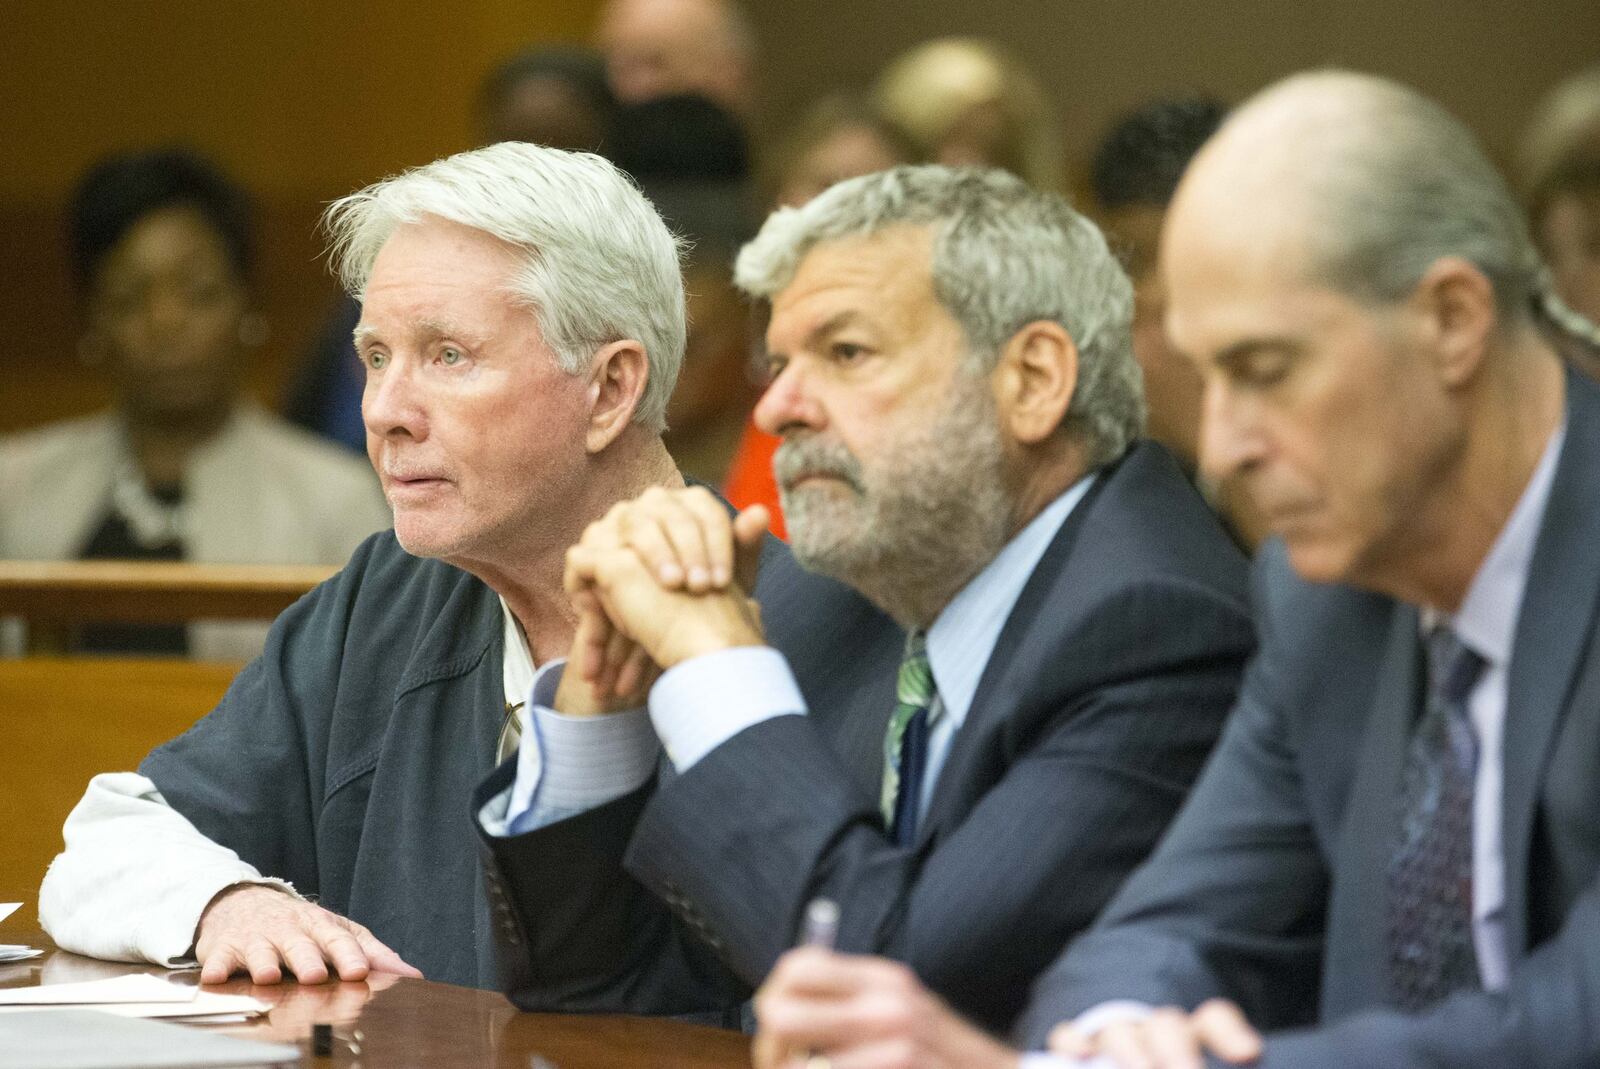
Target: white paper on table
[[205, 1008], [8, 908], [135, 987], [11, 952]]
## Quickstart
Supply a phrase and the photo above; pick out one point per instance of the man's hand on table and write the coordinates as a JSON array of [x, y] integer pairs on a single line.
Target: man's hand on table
[[1168, 1038], [262, 930], [863, 1013], [659, 580]]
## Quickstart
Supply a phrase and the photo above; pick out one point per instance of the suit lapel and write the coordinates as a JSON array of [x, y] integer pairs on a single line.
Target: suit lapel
[[1553, 634], [1004, 676], [1357, 943]]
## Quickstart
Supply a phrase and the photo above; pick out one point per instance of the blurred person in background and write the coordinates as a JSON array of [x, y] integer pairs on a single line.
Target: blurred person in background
[[556, 97], [184, 466], [965, 101], [1132, 177], [1560, 164], [657, 48], [692, 159], [834, 138]]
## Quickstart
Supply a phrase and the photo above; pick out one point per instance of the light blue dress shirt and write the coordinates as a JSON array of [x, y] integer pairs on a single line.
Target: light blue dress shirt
[[568, 765], [1487, 623]]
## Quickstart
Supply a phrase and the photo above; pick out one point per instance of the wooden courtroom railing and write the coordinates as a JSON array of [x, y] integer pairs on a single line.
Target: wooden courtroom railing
[[150, 592]]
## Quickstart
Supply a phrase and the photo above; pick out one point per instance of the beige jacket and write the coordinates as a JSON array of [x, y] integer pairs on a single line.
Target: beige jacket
[[260, 492]]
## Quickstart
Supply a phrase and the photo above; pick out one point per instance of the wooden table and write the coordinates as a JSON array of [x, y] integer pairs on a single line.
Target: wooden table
[[398, 1023]]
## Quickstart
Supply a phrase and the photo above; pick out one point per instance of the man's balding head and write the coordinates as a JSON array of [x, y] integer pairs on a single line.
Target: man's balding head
[[657, 48], [1370, 183]]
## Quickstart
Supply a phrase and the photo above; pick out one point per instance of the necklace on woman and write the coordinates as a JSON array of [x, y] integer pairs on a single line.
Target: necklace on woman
[[151, 521]]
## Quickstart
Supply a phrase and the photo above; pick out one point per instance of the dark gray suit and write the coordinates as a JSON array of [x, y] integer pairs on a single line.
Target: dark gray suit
[[1273, 876], [1102, 699]]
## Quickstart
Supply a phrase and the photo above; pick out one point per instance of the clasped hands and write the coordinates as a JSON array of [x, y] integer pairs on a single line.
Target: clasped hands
[[656, 581]]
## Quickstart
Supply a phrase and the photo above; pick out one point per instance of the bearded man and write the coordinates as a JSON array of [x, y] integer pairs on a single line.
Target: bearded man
[[952, 377]]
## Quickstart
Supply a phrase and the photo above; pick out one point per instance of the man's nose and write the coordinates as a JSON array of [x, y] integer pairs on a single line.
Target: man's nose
[[789, 402], [1231, 439], [392, 404]]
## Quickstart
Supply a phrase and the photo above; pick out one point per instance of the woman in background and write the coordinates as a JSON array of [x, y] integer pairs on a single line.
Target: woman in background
[[183, 467], [965, 101]]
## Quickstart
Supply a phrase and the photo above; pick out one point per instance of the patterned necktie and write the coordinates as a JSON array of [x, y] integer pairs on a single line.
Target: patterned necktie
[[905, 744], [1431, 951]]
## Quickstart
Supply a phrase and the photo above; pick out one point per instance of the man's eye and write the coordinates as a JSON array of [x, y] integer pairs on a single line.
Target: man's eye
[[377, 360], [450, 357], [1265, 371], [845, 352]]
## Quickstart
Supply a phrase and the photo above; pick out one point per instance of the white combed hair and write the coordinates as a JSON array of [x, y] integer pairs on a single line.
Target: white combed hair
[[600, 265]]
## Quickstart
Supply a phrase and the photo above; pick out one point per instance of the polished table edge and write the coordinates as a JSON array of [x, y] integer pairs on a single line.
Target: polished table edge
[[395, 1021]]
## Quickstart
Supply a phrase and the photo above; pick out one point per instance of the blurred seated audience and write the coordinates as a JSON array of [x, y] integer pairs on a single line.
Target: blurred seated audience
[[557, 97], [184, 467], [835, 138], [1132, 177], [965, 101], [1561, 178], [692, 159], [657, 48]]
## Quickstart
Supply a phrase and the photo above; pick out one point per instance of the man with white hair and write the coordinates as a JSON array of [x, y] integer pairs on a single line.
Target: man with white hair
[[522, 324], [960, 407], [1393, 858]]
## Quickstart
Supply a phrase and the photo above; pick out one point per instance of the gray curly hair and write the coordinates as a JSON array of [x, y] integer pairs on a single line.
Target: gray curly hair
[[1004, 255]]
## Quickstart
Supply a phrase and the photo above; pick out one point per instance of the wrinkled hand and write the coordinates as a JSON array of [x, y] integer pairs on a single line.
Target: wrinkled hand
[[620, 672], [262, 930], [655, 581], [863, 1013], [1169, 1038]]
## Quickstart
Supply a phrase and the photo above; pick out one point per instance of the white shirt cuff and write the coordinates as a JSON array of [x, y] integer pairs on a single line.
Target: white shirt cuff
[[703, 702], [570, 764]]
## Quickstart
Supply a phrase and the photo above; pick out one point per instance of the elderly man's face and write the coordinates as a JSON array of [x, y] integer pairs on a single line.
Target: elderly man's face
[[1322, 407], [473, 429], [893, 461]]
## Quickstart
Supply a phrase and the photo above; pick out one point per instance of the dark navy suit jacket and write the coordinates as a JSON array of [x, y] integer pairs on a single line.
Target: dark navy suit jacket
[[1270, 888]]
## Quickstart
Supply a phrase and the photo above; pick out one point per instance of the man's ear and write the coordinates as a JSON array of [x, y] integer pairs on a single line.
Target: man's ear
[[1457, 314], [617, 378], [1034, 379]]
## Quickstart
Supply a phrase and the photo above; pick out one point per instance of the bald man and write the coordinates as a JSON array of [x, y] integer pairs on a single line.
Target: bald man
[[1393, 858], [656, 48]]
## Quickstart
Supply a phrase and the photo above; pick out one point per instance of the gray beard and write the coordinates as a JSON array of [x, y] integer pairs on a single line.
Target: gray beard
[[912, 528]]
